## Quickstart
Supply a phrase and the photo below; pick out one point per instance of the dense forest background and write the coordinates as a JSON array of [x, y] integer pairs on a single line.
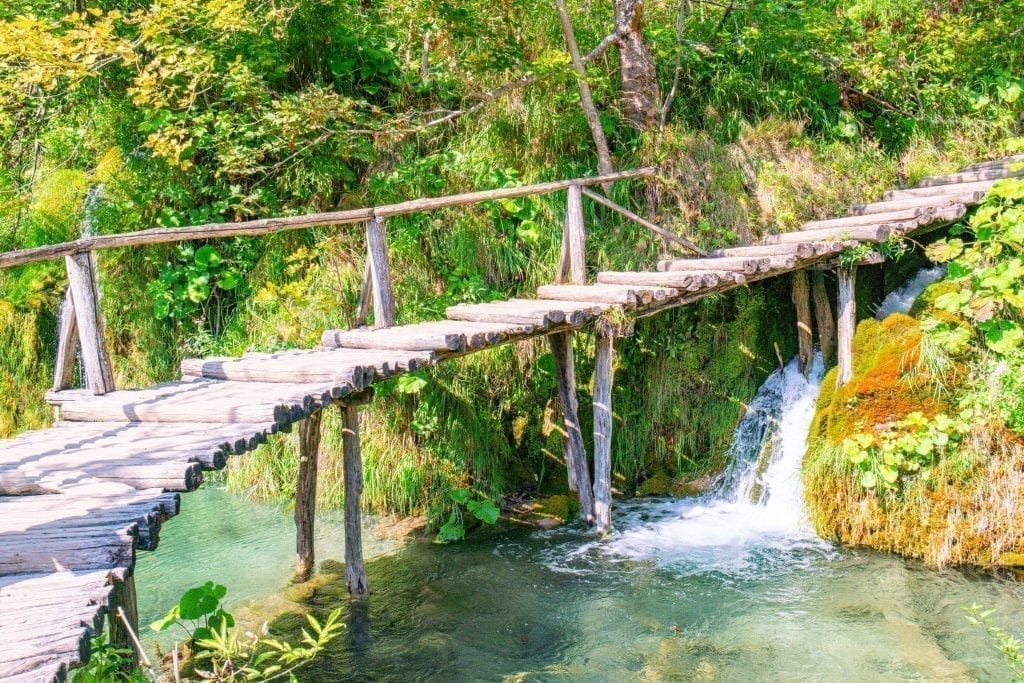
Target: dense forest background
[[760, 113]]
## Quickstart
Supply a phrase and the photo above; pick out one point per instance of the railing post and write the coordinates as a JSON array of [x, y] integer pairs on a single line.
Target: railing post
[[380, 272], [804, 332], [604, 376], [574, 236], [305, 495], [84, 289], [67, 345]]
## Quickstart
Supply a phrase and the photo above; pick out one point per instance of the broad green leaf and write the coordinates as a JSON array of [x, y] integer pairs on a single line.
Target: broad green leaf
[[207, 257]]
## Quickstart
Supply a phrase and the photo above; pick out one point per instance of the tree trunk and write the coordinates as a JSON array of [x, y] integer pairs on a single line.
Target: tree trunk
[[355, 570], [575, 451], [847, 322], [604, 157], [305, 495], [641, 97], [804, 333], [604, 375], [826, 322]]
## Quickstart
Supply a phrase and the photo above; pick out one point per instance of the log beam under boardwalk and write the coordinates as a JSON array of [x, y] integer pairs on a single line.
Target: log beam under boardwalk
[[823, 318], [121, 631], [604, 375], [847, 322], [355, 569], [804, 332], [305, 495], [575, 451]]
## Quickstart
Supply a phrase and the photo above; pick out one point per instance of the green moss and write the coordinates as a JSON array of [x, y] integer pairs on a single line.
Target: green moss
[[657, 485], [562, 507]]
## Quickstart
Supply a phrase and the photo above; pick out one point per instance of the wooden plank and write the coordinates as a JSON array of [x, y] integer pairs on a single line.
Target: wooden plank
[[969, 198], [847, 307], [67, 345], [575, 452], [380, 272], [996, 163], [504, 312], [439, 336], [82, 282], [974, 176], [604, 341], [265, 226], [800, 251], [305, 495], [910, 214], [202, 400], [747, 266], [610, 294], [355, 568], [871, 233], [351, 368], [938, 191], [690, 281]]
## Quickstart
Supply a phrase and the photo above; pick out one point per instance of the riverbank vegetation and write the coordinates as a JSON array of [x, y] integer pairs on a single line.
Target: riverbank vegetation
[[923, 451], [760, 114]]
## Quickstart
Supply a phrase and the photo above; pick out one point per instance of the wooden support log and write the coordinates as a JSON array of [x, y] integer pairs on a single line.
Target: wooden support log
[[67, 345], [604, 376], [305, 495], [668, 236], [124, 597], [355, 569], [847, 322], [823, 317], [747, 266], [575, 452], [380, 271], [507, 312], [85, 293], [805, 334], [576, 236], [870, 233], [781, 263]]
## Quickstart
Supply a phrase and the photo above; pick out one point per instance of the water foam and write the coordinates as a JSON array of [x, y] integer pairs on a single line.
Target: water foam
[[900, 300]]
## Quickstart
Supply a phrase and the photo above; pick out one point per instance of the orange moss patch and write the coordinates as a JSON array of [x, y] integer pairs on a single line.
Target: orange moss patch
[[887, 383]]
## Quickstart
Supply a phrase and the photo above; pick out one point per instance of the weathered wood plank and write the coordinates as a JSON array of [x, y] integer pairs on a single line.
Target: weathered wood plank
[[609, 294], [913, 213], [576, 236], [1011, 160], [801, 251], [804, 332], [938, 191], [868, 233], [604, 341], [747, 266], [305, 495], [689, 281], [823, 317], [974, 176], [970, 198]]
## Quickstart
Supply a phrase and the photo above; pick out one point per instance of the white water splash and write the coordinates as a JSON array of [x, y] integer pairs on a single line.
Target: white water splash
[[754, 517], [900, 300]]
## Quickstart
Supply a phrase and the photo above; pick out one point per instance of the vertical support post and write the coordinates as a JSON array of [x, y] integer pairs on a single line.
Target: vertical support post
[[804, 332], [603, 377], [305, 495], [355, 571], [824, 320], [575, 235], [85, 293], [125, 598], [847, 309], [67, 345], [575, 452], [380, 270]]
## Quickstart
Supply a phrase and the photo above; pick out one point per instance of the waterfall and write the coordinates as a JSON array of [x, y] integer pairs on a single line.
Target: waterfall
[[900, 300]]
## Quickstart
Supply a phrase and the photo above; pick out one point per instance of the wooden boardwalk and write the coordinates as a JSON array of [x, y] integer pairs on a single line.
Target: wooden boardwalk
[[79, 499]]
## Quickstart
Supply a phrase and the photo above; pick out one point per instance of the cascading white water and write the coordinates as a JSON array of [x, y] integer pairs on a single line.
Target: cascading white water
[[900, 300], [758, 503]]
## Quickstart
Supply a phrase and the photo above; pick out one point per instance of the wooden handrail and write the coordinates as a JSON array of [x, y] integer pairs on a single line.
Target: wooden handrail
[[265, 226], [639, 220]]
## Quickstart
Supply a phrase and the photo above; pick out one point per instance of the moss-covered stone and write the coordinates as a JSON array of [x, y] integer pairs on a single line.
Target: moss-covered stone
[[657, 485]]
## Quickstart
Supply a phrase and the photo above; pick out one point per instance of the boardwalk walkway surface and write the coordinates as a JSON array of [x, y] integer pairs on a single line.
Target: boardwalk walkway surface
[[79, 499]]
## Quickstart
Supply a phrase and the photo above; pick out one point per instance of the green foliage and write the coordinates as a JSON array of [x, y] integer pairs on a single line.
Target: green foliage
[[219, 653], [482, 509], [910, 447], [107, 664], [989, 274], [1009, 645]]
